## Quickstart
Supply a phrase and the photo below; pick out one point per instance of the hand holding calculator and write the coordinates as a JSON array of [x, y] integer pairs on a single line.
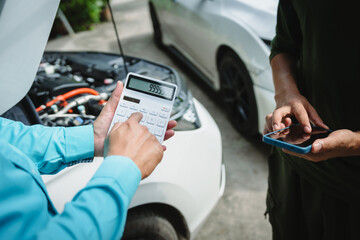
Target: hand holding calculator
[[151, 97]]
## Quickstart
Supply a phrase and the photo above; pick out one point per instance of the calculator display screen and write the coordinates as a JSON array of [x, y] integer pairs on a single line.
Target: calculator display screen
[[161, 90]]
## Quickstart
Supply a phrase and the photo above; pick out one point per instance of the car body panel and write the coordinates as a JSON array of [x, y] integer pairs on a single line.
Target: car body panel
[[199, 29], [259, 15]]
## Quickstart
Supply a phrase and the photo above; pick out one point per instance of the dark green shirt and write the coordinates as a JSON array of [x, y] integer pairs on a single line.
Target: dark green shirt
[[323, 35]]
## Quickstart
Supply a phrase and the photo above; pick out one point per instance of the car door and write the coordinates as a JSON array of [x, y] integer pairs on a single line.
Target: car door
[[193, 23]]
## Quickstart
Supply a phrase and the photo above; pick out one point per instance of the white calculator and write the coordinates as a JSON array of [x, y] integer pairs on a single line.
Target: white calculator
[[151, 97]]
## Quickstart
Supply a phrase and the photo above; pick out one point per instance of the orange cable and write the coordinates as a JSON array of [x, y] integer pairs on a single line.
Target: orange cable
[[67, 95]]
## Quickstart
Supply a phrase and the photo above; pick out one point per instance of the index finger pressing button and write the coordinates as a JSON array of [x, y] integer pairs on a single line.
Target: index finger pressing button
[[136, 116]]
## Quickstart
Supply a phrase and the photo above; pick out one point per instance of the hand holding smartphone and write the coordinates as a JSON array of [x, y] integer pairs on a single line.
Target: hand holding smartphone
[[294, 138]]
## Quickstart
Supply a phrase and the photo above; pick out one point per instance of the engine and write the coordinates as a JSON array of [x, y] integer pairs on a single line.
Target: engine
[[71, 88]]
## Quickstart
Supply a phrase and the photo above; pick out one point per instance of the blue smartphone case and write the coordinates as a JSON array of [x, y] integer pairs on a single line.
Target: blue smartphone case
[[288, 146], [282, 144]]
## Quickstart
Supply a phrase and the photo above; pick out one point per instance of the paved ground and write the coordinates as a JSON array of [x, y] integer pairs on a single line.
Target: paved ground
[[239, 215]]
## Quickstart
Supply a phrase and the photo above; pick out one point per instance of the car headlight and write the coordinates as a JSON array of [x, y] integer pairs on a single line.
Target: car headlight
[[188, 118]]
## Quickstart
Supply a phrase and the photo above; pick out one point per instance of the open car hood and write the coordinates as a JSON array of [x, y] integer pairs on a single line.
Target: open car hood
[[24, 30]]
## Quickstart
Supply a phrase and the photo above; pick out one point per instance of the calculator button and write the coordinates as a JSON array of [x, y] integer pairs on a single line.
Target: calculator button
[[121, 112], [129, 112], [163, 115], [119, 119], [123, 104], [158, 132], [151, 129], [151, 120], [161, 123], [134, 107], [153, 112], [144, 118], [143, 110], [165, 109]]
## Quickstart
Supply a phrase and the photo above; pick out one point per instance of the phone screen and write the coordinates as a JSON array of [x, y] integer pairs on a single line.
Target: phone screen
[[295, 135]]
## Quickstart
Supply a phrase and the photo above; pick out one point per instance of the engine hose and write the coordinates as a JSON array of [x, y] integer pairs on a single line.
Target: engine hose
[[80, 101], [67, 95]]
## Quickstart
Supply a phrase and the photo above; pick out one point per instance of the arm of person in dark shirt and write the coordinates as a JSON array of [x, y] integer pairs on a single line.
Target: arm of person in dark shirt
[[289, 101]]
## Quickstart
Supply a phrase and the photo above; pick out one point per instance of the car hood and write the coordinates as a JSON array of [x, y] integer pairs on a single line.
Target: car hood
[[24, 30]]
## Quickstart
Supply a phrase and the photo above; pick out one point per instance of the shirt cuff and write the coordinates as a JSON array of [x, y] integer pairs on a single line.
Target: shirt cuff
[[79, 142], [123, 170]]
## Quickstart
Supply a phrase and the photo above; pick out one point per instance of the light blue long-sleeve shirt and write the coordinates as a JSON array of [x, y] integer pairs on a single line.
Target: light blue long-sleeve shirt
[[26, 212]]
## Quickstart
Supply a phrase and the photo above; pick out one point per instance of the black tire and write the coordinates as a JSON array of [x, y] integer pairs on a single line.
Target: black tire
[[237, 93], [156, 27], [148, 226]]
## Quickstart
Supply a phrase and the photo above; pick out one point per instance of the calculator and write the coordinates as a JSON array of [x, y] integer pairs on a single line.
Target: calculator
[[151, 97]]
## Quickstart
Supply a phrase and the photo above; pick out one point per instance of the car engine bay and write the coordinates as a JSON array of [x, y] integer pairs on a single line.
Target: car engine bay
[[71, 88]]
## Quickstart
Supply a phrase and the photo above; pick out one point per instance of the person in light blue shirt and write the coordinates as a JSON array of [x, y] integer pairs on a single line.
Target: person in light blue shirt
[[99, 210]]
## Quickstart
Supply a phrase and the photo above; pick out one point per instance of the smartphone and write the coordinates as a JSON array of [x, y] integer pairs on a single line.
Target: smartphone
[[294, 138]]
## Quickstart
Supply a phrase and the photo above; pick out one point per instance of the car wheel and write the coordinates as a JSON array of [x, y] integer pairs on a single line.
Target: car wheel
[[238, 94], [148, 226], [156, 26]]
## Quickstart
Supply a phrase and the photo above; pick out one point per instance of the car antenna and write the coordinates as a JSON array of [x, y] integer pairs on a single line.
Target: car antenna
[[117, 36]]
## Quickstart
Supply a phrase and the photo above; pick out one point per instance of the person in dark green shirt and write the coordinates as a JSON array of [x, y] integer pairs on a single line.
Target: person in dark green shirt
[[315, 58]]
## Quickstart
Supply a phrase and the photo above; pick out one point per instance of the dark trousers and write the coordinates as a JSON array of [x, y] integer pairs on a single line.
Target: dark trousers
[[298, 209]]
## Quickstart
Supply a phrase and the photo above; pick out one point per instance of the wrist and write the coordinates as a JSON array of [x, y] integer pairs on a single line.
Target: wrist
[[287, 96], [355, 147], [98, 142]]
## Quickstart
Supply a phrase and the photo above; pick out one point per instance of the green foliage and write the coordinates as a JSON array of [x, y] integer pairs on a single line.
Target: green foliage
[[82, 13]]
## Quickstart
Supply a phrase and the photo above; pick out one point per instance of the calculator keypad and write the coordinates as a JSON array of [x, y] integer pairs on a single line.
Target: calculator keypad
[[154, 119]]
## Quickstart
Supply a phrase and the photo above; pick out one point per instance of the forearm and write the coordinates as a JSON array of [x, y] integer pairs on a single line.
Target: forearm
[[71, 146], [289, 101], [99, 210], [284, 68], [51, 149]]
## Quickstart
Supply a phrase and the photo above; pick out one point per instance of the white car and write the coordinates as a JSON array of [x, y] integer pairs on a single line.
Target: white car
[[226, 42], [190, 179], [176, 199]]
